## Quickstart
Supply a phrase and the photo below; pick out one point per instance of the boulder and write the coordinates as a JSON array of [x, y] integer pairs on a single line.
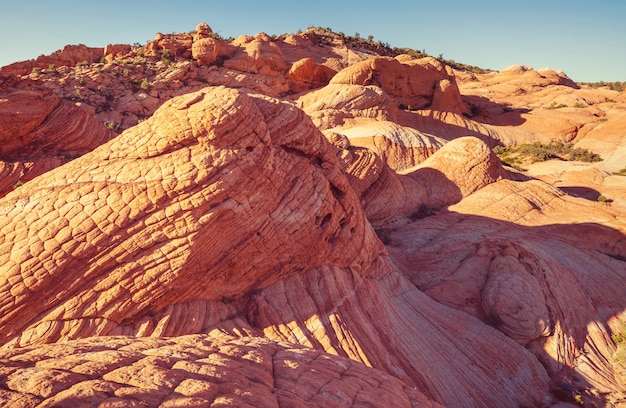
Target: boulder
[[257, 55], [414, 84]]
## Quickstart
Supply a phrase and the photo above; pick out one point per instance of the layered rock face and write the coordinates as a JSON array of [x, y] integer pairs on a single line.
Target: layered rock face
[[165, 185], [39, 132], [357, 243], [220, 213]]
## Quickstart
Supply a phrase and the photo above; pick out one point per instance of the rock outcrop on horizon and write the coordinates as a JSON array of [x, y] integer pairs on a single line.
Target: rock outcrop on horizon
[[294, 221]]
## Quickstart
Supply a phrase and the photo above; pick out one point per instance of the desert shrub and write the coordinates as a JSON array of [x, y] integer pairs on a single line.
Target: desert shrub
[[554, 105], [621, 172], [619, 337], [584, 155], [537, 152], [326, 36], [145, 84], [167, 56], [615, 86], [113, 125], [134, 85]]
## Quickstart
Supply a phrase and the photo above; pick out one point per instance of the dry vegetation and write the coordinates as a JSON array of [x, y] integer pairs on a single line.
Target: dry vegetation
[[538, 152]]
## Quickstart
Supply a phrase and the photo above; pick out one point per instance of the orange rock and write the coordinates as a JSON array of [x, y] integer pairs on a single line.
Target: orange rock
[[116, 51], [400, 147], [169, 46], [39, 132], [414, 84], [393, 246], [206, 50], [511, 255], [306, 74], [149, 222], [258, 55], [70, 55], [220, 144], [194, 371], [458, 169]]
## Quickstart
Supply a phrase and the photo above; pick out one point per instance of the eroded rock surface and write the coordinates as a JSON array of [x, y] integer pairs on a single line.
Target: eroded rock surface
[[193, 371], [296, 220], [162, 194], [219, 213], [39, 131]]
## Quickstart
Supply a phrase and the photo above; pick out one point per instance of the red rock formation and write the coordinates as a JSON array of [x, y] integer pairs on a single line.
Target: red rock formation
[[414, 84], [306, 74], [388, 253], [169, 46], [194, 371], [457, 170], [70, 55], [511, 255], [39, 132], [158, 212], [207, 49], [257, 55], [400, 147], [116, 51]]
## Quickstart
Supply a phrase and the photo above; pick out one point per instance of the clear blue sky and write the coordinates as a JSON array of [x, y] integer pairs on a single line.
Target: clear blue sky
[[584, 38]]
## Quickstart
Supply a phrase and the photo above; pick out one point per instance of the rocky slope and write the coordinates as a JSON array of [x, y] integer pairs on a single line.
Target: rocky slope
[[294, 221]]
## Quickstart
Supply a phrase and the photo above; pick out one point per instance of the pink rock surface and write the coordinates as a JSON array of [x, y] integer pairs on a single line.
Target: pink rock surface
[[152, 232], [288, 220], [193, 371], [39, 132]]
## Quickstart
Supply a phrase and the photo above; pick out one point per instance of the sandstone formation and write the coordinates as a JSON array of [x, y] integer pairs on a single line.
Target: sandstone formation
[[194, 371], [513, 259], [39, 132], [306, 74], [69, 55], [400, 147], [305, 220], [148, 221], [414, 84]]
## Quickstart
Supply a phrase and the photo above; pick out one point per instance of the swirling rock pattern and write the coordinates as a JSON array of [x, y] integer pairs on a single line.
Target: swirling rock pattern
[[39, 131], [413, 83], [511, 255], [230, 213], [393, 244], [514, 301], [163, 194]]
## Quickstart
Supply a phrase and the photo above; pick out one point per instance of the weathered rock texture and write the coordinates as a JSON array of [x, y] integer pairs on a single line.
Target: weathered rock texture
[[400, 147], [224, 204], [164, 186], [39, 131], [511, 255], [193, 371], [413, 83], [297, 220]]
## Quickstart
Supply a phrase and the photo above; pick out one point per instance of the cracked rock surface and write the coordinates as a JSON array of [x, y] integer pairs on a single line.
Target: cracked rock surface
[[357, 243]]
